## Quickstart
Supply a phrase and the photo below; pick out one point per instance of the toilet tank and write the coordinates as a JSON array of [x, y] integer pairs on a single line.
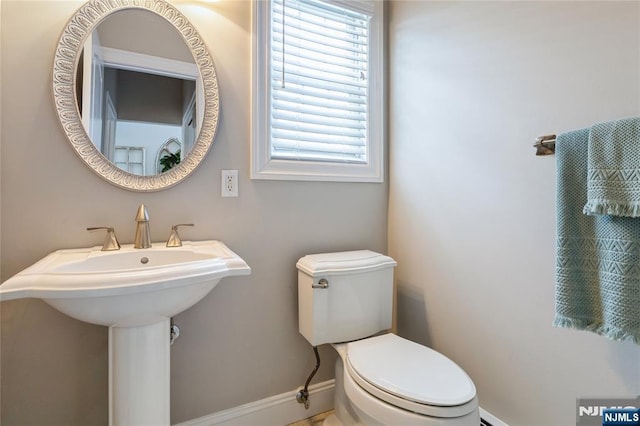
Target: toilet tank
[[356, 301]]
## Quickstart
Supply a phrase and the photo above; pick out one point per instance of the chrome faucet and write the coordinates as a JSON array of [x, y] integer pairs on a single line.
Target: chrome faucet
[[143, 235]]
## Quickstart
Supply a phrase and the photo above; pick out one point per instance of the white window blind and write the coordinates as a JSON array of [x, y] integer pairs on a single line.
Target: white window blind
[[319, 82]]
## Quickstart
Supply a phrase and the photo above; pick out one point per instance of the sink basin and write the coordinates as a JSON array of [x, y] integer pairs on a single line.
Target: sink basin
[[135, 292], [127, 287]]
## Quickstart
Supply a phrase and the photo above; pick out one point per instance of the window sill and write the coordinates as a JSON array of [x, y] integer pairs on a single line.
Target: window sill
[[317, 171]]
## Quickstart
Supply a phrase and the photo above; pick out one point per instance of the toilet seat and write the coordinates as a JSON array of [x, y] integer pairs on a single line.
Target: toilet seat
[[410, 376]]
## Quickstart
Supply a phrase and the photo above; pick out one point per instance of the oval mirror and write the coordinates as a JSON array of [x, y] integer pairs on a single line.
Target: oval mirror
[[136, 92]]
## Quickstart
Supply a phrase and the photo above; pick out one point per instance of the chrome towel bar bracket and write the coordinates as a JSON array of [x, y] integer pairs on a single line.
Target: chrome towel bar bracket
[[545, 145]]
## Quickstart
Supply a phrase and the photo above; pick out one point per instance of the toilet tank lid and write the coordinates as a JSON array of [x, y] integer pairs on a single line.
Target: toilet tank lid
[[345, 262]]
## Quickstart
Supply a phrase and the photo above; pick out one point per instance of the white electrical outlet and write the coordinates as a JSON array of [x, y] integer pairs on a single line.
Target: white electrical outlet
[[229, 183]]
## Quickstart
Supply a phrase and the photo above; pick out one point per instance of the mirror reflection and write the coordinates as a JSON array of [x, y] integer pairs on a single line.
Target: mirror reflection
[[139, 92]]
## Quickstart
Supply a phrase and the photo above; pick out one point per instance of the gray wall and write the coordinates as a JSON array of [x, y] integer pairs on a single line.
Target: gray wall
[[144, 32], [150, 98], [239, 344], [472, 209]]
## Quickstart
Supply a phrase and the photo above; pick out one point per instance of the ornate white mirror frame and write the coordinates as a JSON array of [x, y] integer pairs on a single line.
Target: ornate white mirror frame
[[67, 56]]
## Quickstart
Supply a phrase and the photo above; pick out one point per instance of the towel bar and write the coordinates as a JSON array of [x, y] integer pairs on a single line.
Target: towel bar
[[545, 145]]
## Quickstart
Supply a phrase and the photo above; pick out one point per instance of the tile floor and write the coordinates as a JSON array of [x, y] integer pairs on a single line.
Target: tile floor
[[313, 421], [319, 418]]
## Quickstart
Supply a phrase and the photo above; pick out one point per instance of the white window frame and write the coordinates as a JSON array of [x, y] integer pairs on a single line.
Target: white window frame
[[267, 168]]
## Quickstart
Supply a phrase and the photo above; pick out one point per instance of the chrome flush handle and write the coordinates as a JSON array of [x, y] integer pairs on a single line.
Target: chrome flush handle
[[322, 283]]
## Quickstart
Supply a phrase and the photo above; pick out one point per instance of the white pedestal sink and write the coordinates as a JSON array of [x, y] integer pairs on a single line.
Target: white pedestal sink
[[134, 292]]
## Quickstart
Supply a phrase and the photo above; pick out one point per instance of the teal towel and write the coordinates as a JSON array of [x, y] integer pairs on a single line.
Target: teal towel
[[614, 168], [598, 257]]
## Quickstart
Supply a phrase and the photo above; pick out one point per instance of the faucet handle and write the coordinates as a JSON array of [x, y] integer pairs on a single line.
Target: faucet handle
[[110, 242], [174, 239]]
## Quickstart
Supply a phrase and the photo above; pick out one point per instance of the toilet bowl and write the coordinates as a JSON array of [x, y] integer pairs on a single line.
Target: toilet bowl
[[345, 299], [388, 380]]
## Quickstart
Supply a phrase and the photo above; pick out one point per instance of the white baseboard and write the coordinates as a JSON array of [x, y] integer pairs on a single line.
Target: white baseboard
[[278, 410], [485, 415]]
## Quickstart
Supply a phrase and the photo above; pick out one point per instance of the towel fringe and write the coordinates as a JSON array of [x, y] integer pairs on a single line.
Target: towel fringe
[[595, 207], [609, 331]]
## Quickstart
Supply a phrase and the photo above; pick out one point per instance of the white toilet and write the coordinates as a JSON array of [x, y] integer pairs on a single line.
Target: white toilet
[[343, 299]]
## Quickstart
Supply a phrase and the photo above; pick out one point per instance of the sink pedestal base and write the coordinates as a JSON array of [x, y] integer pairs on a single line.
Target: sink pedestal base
[[139, 374]]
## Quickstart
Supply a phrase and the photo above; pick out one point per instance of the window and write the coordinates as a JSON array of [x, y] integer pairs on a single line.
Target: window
[[317, 90]]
